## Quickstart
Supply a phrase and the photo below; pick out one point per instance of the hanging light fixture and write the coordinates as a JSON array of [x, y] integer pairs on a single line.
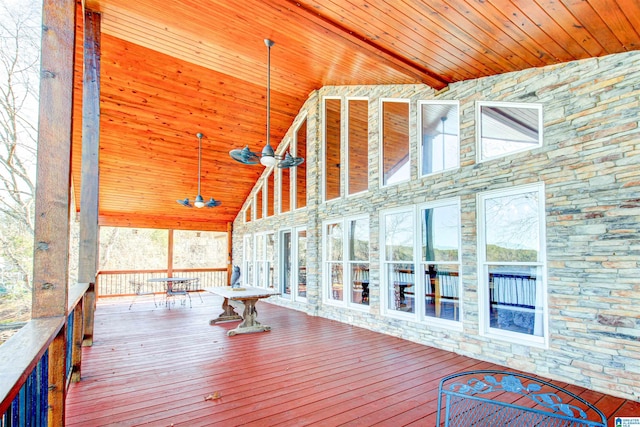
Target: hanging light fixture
[[199, 202], [267, 157]]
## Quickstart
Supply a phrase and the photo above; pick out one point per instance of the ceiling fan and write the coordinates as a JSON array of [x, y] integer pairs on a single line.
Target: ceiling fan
[[268, 156], [199, 202]]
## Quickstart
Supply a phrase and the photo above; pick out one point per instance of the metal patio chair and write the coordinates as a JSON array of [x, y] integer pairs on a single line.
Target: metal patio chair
[[178, 289], [138, 290], [487, 398]]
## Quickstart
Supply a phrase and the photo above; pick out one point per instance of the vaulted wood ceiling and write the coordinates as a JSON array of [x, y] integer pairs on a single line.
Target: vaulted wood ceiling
[[172, 68]]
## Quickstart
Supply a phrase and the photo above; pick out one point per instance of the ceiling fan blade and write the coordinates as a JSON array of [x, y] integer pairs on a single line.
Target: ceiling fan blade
[[290, 161], [185, 202], [212, 203], [245, 156]]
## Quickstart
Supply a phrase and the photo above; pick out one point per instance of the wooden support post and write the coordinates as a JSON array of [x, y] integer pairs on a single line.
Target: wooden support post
[[89, 230], [78, 335], [51, 240], [57, 378], [229, 252], [170, 255]]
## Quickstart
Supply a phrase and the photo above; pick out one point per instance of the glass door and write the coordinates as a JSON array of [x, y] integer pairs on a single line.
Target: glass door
[[301, 270], [285, 274]]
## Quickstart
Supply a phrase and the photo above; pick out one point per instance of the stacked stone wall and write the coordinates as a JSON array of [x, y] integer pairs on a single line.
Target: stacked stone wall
[[590, 166]]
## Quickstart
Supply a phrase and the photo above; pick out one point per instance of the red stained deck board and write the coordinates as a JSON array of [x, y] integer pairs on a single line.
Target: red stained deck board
[[154, 367]]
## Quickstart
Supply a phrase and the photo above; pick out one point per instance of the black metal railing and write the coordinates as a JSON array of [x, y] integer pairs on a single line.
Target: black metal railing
[[29, 378], [129, 282]]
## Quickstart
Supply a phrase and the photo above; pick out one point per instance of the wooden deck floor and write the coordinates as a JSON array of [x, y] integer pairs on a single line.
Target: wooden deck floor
[[159, 367]]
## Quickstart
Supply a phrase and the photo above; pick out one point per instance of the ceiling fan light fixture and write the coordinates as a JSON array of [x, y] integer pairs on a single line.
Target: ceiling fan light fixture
[[199, 202], [185, 202], [267, 157], [290, 161], [245, 156], [212, 203]]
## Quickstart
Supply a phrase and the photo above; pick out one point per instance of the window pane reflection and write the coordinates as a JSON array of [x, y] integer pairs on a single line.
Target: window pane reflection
[[395, 142], [507, 129], [301, 170], [286, 264], [359, 259], [302, 263], [336, 282], [359, 240], [515, 300], [440, 233], [442, 299], [512, 228], [401, 279], [358, 140], [399, 234], [332, 148], [439, 136], [285, 190], [334, 242]]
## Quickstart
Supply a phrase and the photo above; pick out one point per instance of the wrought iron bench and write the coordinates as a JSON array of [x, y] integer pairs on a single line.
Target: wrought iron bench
[[486, 398]]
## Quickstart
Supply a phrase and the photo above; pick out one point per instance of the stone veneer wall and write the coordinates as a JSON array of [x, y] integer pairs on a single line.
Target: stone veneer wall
[[590, 165]]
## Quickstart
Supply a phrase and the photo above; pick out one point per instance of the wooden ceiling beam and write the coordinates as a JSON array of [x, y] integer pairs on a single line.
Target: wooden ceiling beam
[[153, 221]]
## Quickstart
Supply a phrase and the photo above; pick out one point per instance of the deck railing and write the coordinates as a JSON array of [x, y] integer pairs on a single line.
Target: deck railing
[[38, 363], [44, 356], [122, 282]]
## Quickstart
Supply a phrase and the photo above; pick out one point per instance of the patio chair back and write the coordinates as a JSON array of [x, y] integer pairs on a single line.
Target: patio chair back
[[497, 398]]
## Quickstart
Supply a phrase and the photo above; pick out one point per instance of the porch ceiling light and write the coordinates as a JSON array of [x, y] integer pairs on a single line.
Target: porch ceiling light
[[267, 157], [199, 202]]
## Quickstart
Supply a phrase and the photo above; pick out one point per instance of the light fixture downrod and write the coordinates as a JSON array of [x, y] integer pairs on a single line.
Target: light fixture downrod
[[199, 201], [268, 156]]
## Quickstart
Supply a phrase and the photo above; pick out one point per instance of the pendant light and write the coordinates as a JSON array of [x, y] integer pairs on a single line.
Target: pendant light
[[199, 202], [267, 157]]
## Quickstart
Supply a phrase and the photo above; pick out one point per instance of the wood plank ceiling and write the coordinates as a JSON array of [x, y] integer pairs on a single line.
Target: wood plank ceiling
[[173, 68]]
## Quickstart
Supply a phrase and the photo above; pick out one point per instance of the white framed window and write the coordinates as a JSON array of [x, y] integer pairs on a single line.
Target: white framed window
[[345, 148], [247, 273], [269, 188], [300, 271], [334, 265], [395, 159], [260, 202], [248, 217], [357, 142], [299, 149], [264, 260], [293, 264], [439, 130], [440, 259], [505, 127], [270, 248], [346, 265], [424, 239], [285, 187], [512, 264], [332, 148], [286, 264], [398, 234]]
